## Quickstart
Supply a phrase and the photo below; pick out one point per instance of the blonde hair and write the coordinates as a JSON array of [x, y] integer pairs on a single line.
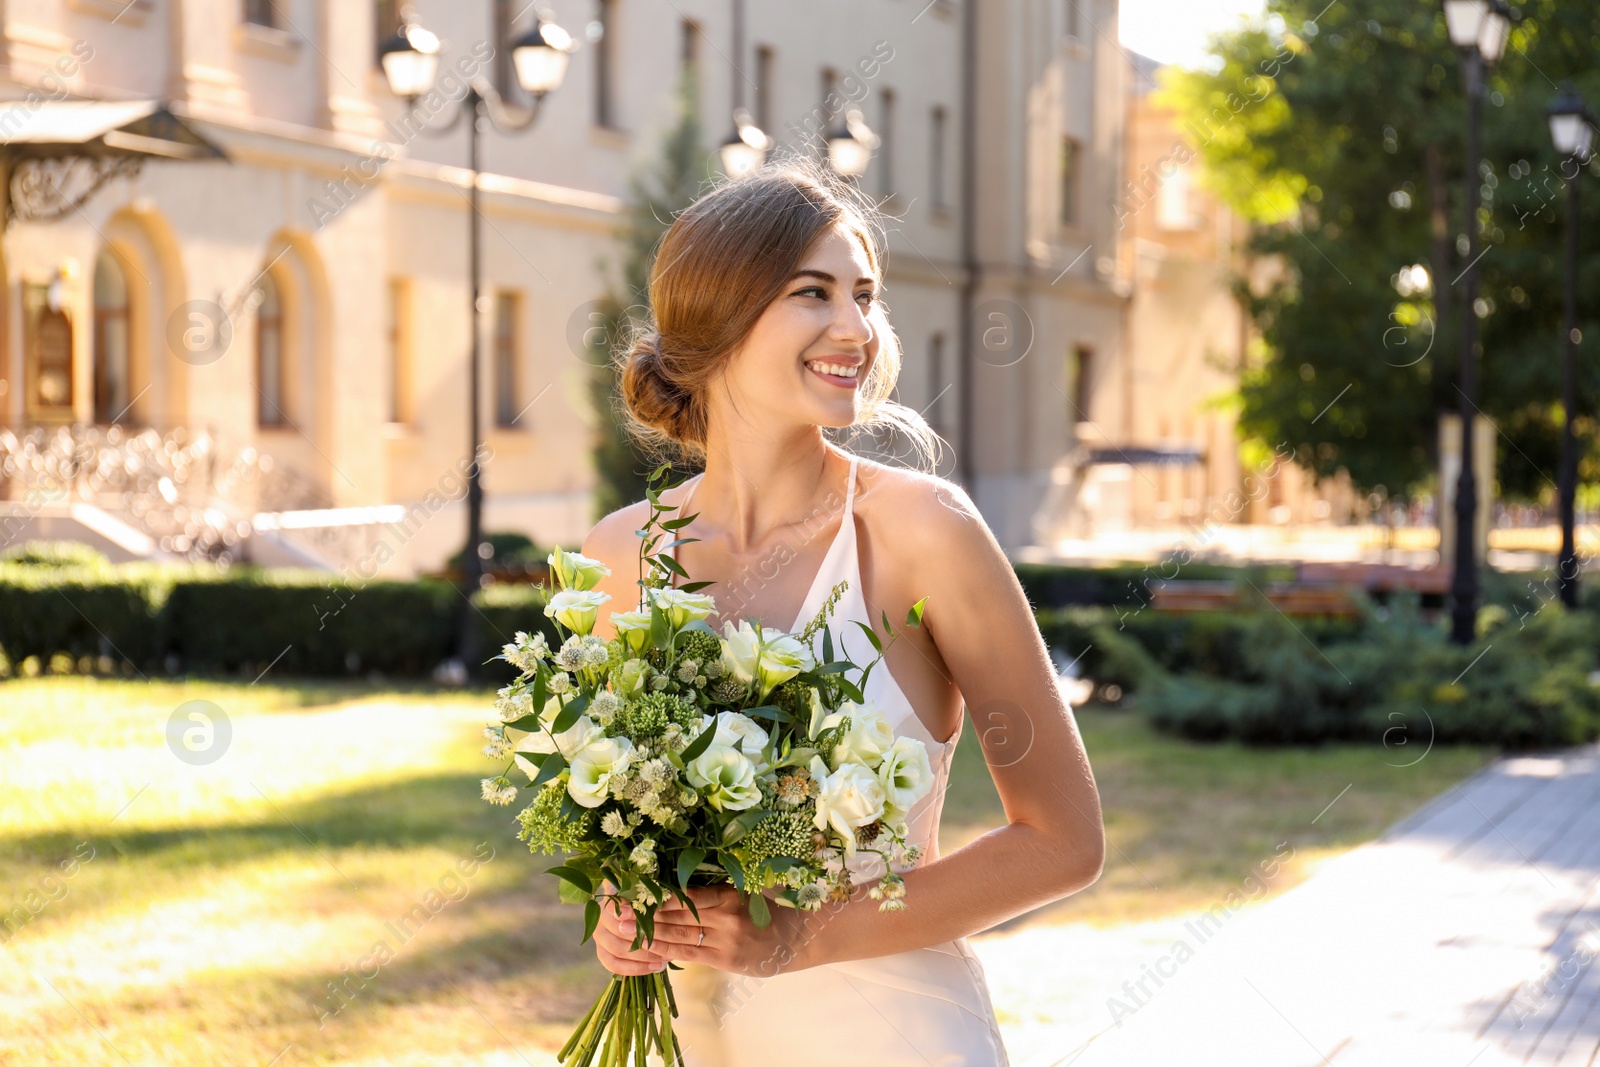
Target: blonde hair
[[720, 264]]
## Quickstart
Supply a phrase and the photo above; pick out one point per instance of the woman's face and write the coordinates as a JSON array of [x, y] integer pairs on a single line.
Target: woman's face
[[809, 353]]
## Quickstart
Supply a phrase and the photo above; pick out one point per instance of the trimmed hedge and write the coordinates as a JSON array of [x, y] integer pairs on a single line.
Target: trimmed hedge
[[1391, 679], [1050, 585], [242, 620]]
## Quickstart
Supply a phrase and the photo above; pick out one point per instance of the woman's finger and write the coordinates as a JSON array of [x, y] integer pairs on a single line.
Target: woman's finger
[[622, 945], [627, 967]]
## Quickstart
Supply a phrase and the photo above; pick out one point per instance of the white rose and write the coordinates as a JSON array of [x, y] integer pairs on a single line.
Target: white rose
[[869, 736], [782, 658], [725, 777], [850, 797], [575, 609], [568, 742], [593, 767], [905, 774], [740, 731], [683, 608], [575, 570], [634, 629]]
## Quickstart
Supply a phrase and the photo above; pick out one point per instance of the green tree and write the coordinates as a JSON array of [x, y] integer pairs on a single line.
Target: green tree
[[656, 195], [1343, 140]]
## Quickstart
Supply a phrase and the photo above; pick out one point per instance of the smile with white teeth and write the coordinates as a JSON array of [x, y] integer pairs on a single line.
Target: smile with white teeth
[[840, 369]]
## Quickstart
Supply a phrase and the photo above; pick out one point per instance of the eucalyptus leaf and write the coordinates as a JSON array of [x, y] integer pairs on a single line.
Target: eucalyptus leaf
[[699, 744], [688, 860]]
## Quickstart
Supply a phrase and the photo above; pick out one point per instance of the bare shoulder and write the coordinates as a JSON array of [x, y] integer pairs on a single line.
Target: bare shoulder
[[920, 512], [615, 536]]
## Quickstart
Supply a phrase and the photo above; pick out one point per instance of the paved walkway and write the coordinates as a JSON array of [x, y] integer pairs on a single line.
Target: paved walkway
[[1466, 935]]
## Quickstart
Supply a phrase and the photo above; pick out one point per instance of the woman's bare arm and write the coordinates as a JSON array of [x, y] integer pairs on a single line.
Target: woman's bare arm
[[1054, 843]]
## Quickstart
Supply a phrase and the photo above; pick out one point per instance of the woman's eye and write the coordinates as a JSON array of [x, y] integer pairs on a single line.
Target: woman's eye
[[870, 296]]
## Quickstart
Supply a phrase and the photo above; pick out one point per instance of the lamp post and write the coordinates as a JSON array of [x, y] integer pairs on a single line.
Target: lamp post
[[410, 62], [1478, 29], [746, 148], [850, 145], [1572, 129]]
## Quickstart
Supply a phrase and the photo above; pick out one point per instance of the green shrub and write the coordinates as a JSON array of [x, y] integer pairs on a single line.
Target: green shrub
[[245, 619], [1102, 652], [508, 548], [1127, 585], [1524, 685], [56, 554]]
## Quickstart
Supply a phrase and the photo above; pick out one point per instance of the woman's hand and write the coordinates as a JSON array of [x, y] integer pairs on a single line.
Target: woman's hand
[[732, 941], [612, 944]]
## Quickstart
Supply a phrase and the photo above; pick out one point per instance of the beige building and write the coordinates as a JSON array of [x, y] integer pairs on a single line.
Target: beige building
[[1156, 432], [276, 343]]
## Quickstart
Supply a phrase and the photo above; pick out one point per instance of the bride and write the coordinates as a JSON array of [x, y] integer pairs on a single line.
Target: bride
[[769, 327]]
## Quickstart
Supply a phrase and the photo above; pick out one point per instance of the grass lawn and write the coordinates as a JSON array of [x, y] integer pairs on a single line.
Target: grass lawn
[[231, 912]]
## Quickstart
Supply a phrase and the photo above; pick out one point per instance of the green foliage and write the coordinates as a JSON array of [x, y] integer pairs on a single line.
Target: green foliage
[[1399, 682], [56, 554], [1344, 140], [509, 547], [656, 196], [301, 622], [1129, 585]]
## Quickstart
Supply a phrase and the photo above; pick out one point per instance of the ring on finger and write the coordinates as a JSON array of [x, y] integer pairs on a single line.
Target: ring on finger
[[702, 940]]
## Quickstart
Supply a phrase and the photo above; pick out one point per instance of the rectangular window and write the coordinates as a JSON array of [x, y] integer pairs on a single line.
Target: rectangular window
[[270, 371], [398, 331], [1082, 383], [605, 65], [689, 59], [936, 383], [1070, 165], [885, 134], [830, 100], [49, 355], [261, 12], [766, 63], [506, 392], [936, 162]]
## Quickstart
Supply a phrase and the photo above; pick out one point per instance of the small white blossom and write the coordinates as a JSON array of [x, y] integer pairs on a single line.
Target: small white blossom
[[598, 653], [524, 652], [499, 746], [498, 790], [560, 683], [643, 856], [614, 824], [572, 656]]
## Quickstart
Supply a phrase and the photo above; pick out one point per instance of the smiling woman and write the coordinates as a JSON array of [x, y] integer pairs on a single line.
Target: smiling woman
[[769, 333], [711, 299]]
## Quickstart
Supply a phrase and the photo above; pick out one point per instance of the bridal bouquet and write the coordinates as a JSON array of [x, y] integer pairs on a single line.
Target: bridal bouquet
[[671, 756]]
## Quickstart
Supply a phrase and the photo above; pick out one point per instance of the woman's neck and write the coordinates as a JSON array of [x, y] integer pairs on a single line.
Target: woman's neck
[[753, 488]]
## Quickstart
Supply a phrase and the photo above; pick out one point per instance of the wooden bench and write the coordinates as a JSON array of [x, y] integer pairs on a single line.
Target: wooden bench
[[1291, 598]]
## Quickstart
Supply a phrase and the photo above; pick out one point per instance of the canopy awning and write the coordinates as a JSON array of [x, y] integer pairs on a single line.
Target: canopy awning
[[1148, 456], [102, 128], [55, 154]]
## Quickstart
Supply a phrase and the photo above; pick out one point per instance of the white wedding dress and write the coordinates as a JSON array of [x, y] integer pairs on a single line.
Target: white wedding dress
[[926, 1008]]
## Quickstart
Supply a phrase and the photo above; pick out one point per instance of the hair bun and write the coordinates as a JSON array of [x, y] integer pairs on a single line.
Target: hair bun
[[657, 403]]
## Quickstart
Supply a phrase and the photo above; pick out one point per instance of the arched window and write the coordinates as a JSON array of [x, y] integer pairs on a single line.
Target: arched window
[[111, 362], [269, 356]]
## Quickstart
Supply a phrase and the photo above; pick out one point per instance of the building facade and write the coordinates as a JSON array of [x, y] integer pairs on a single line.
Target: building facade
[[304, 303]]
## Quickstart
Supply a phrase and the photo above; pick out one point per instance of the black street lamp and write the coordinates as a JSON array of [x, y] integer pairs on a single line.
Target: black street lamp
[[850, 145], [1572, 130], [747, 147], [1478, 29], [410, 62]]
